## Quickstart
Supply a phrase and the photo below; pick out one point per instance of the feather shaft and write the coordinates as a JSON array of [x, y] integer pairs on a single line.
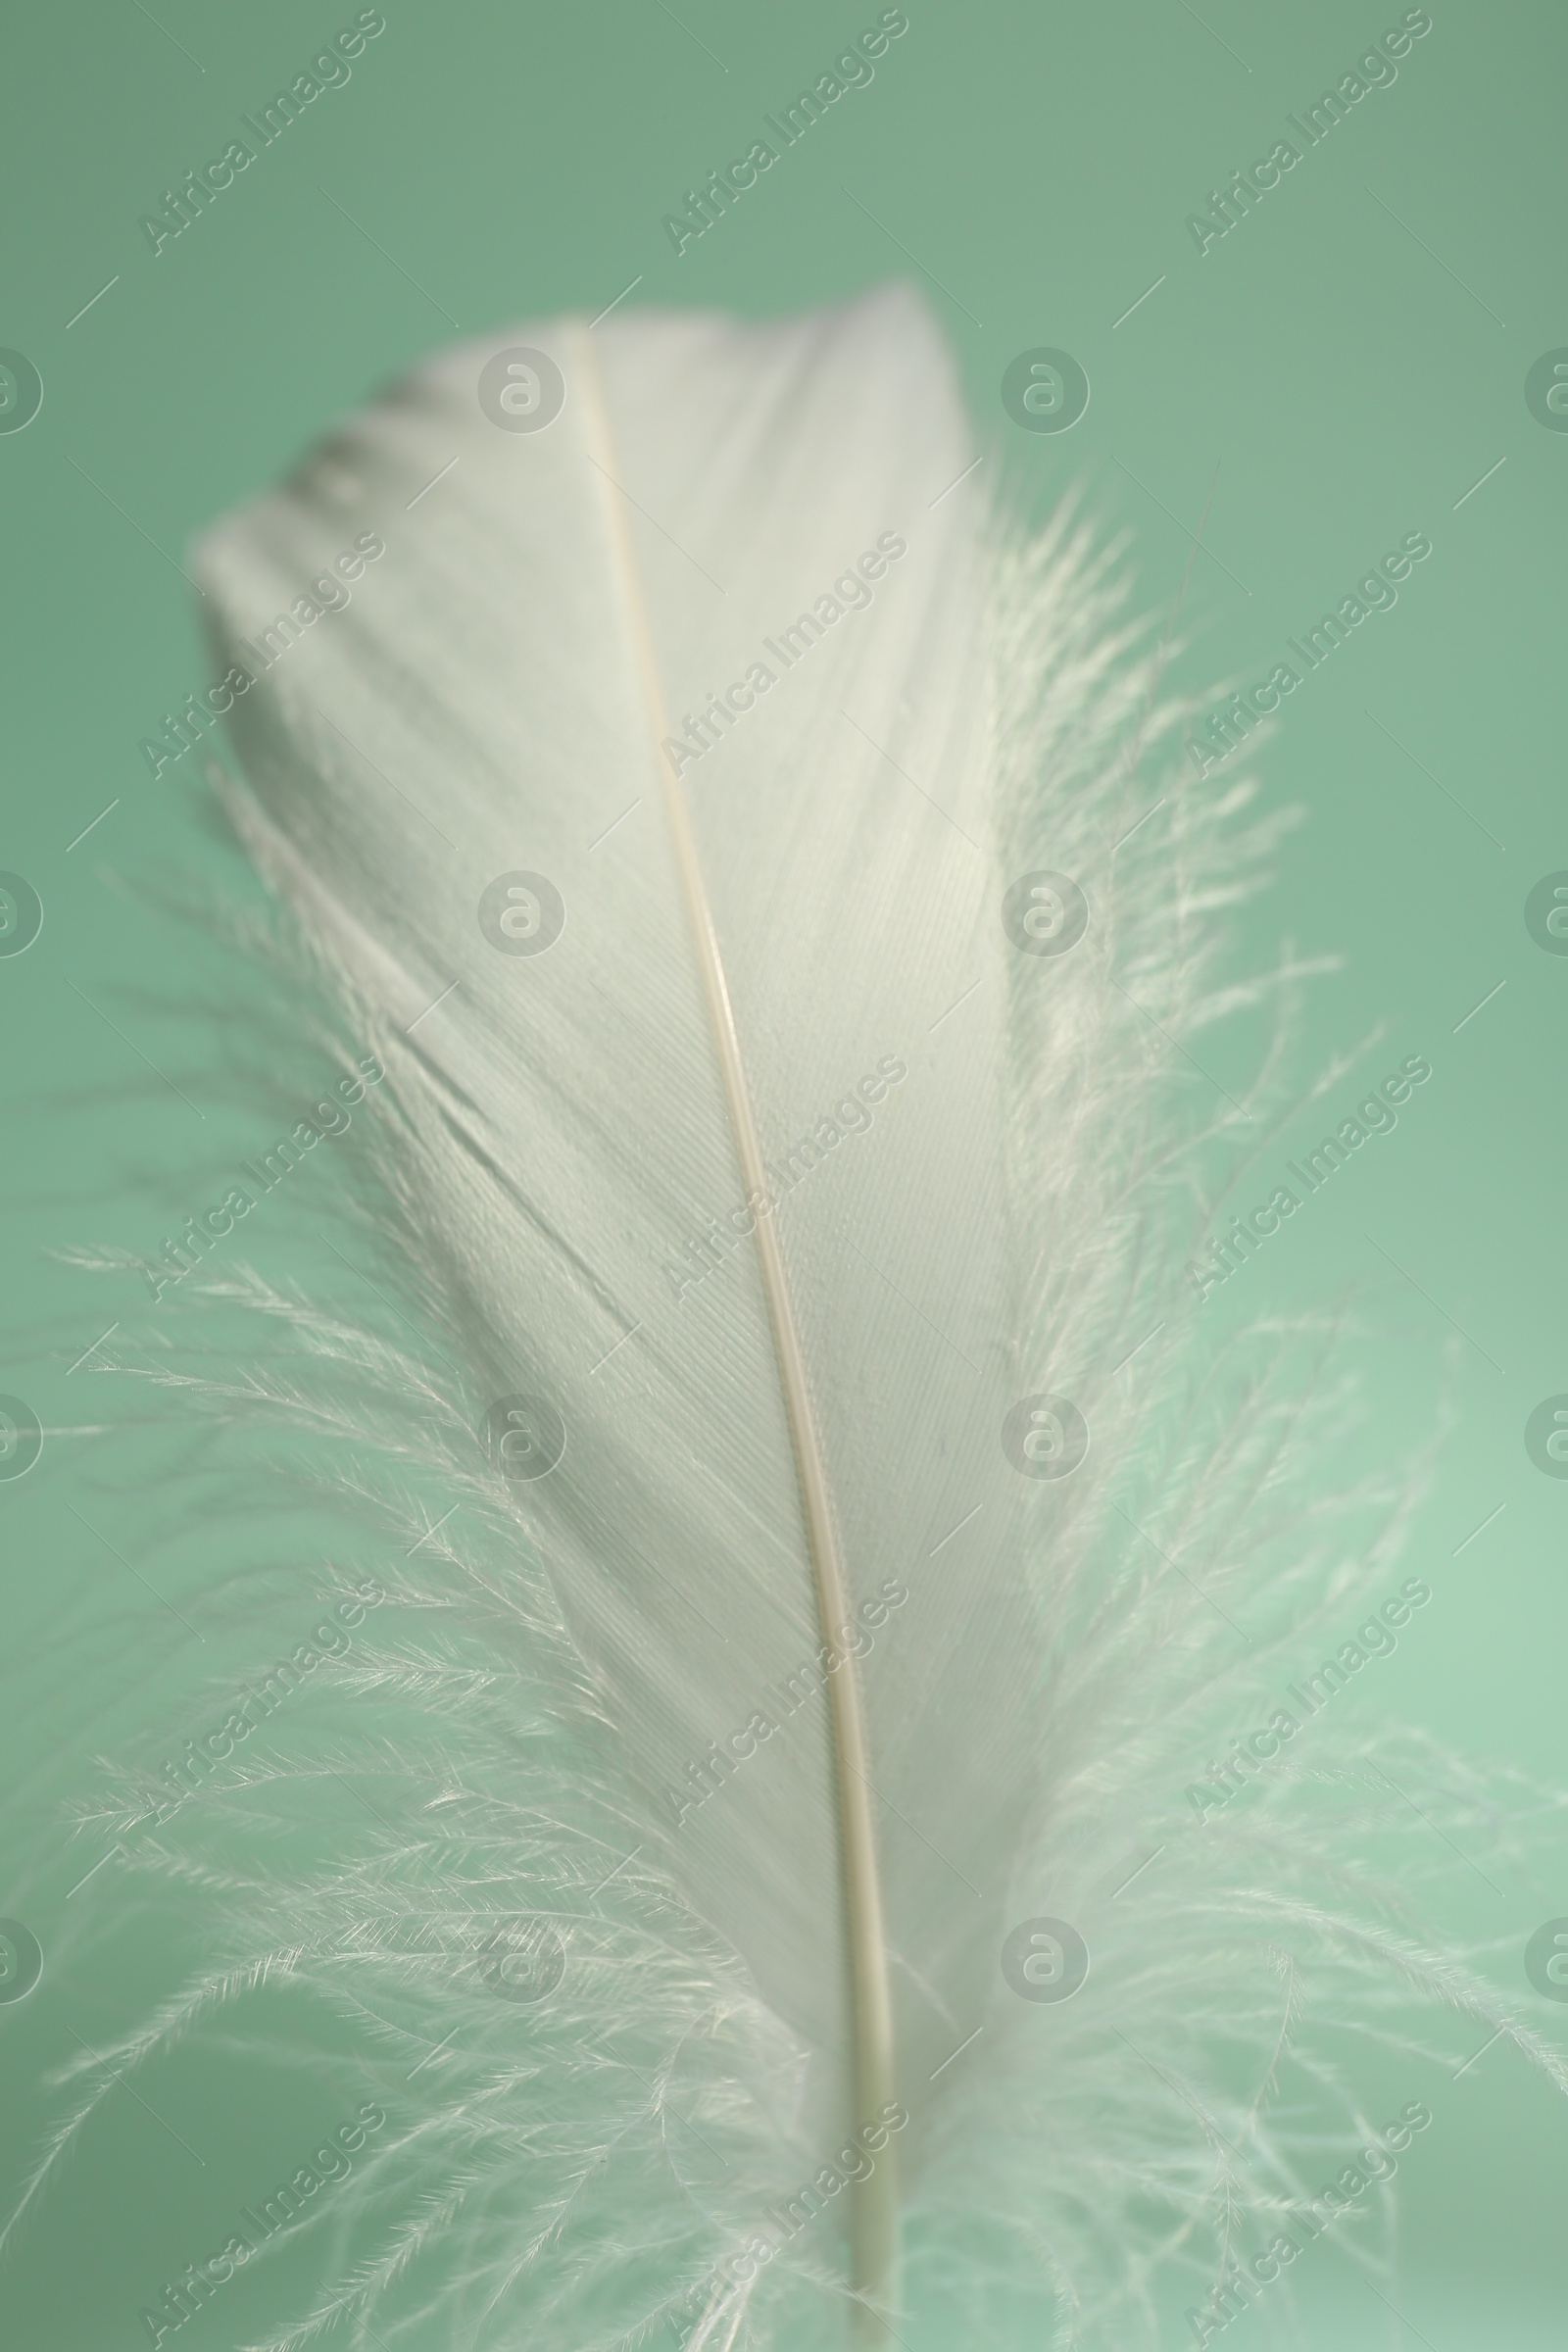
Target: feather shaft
[[874, 2213]]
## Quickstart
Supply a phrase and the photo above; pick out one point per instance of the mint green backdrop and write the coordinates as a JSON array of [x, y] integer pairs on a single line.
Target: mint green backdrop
[[1344, 366]]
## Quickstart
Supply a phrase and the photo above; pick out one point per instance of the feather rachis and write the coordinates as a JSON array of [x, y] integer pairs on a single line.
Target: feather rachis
[[875, 2071]]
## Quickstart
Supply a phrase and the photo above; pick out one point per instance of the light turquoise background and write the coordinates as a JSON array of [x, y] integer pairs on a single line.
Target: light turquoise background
[[1351, 361]]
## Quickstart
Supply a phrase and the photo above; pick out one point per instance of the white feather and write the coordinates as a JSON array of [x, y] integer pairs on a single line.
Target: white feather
[[755, 1457], [571, 1128]]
